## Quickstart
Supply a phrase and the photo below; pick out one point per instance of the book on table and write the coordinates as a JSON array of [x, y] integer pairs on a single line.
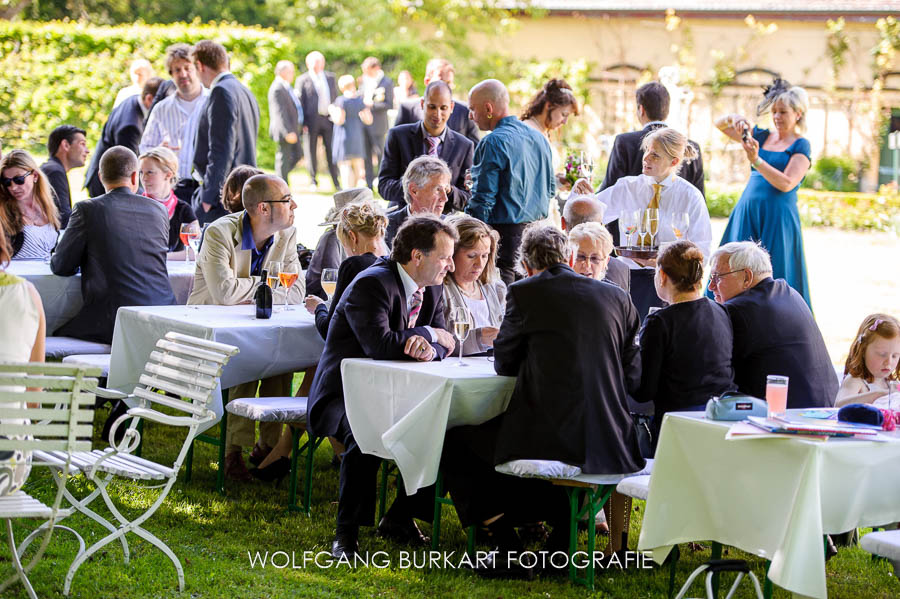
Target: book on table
[[801, 426]]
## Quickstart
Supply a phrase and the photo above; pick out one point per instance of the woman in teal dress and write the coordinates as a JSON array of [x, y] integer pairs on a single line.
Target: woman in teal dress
[[779, 159]]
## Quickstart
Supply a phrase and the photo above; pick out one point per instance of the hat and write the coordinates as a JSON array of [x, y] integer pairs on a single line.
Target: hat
[[344, 197]]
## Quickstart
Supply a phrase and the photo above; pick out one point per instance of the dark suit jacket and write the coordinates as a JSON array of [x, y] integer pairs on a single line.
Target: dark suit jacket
[[411, 111], [124, 127], [309, 97], [350, 267], [120, 242], [226, 137], [283, 115], [59, 181], [570, 340], [369, 322], [380, 108], [775, 333], [395, 219], [626, 157], [328, 254], [619, 274], [404, 144]]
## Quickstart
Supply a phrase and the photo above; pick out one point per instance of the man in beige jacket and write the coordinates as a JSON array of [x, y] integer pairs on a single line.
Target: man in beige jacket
[[236, 248]]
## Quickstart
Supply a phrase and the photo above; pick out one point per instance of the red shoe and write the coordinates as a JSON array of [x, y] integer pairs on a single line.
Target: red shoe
[[235, 469]]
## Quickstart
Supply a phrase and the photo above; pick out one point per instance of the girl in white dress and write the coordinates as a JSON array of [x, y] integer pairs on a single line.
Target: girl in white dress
[[873, 366]]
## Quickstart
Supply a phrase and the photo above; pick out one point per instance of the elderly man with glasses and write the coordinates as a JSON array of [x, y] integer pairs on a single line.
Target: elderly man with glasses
[[236, 249], [774, 330]]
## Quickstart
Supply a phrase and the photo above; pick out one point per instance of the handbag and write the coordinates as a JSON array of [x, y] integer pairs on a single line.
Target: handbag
[[643, 429], [734, 406]]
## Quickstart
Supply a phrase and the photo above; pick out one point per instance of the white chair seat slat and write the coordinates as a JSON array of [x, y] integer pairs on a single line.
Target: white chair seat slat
[[125, 464], [54, 459], [47, 369], [48, 430], [191, 378], [154, 382], [187, 350], [200, 366], [38, 414], [22, 505], [177, 404], [45, 444], [228, 350], [46, 397]]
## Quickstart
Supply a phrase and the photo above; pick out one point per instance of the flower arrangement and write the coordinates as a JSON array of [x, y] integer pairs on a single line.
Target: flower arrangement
[[577, 167]]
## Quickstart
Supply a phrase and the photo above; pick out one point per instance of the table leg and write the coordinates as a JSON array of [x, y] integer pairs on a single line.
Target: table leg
[[715, 554], [767, 583]]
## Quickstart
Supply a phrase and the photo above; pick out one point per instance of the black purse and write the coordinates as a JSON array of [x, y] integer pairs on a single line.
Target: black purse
[[644, 429]]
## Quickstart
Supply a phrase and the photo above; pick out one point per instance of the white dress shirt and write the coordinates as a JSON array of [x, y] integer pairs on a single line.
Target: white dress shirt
[[175, 121], [409, 288], [676, 195], [322, 91]]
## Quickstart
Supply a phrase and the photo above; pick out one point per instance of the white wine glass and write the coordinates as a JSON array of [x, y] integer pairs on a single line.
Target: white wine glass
[[643, 226], [462, 324], [680, 223], [329, 281], [273, 278], [587, 167], [652, 224], [287, 277]]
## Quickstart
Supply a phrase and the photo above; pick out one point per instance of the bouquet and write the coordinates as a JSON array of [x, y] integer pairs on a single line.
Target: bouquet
[[577, 167]]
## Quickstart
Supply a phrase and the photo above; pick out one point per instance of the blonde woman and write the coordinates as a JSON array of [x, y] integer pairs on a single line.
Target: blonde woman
[[159, 173], [779, 159], [349, 113], [27, 210]]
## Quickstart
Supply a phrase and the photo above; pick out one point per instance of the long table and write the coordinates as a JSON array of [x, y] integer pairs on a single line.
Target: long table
[[772, 497], [287, 342], [400, 410], [61, 296]]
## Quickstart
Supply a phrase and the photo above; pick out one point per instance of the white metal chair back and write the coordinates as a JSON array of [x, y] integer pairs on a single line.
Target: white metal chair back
[[61, 422]]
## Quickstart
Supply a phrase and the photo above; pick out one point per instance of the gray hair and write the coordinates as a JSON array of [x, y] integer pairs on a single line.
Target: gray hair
[[745, 254], [282, 65], [544, 246], [594, 232], [421, 170], [797, 100], [116, 164], [582, 209]]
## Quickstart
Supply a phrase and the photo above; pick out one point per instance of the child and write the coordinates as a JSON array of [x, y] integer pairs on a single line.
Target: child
[[873, 364]]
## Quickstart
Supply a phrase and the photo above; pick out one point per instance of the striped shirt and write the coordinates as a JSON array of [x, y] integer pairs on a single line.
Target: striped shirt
[[170, 121], [38, 242]]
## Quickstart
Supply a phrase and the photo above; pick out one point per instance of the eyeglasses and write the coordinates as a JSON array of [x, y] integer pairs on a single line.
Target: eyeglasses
[[593, 259], [289, 199], [714, 278], [18, 179]]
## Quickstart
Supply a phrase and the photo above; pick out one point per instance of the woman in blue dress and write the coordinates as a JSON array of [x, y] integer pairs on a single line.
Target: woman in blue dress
[[349, 114], [779, 159]]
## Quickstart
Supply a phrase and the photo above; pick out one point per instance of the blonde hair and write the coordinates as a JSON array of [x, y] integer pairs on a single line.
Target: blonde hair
[[345, 81], [797, 100], [672, 143], [471, 231], [595, 232], [13, 221], [362, 218], [165, 157]]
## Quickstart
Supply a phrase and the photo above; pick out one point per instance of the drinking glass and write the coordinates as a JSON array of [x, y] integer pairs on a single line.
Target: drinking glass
[[680, 222], [652, 224], [643, 226], [188, 233], [462, 324], [629, 220], [587, 167], [329, 281], [287, 277], [273, 278], [776, 394]]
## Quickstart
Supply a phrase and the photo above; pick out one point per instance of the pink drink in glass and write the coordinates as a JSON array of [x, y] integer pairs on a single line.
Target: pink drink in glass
[[776, 394]]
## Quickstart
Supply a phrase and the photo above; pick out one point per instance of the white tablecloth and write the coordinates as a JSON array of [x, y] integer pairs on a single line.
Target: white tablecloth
[[61, 296], [401, 409], [774, 498], [287, 342]]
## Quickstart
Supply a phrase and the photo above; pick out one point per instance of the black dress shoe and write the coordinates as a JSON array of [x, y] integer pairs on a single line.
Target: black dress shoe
[[344, 545], [402, 532], [276, 471]]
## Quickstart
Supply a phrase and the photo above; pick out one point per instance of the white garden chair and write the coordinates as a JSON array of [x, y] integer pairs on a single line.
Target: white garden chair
[[180, 377], [65, 415]]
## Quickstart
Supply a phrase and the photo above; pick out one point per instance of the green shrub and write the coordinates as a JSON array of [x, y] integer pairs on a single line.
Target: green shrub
[[833, 173]]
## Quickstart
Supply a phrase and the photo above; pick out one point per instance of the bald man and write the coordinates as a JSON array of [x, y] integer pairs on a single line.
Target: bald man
[[512, 175]]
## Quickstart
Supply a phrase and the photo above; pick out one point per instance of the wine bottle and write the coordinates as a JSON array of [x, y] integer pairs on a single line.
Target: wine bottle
[[264, 297]]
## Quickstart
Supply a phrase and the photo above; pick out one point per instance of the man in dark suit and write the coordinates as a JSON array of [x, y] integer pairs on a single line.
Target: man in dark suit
[[393, 310], [124, 127], [67, 147], [412, 110], [119, 240], [426, 187], [774, 331], [285, 119], [429, 136], [317, 89], [586, 209], [378, 95], [226, 136]]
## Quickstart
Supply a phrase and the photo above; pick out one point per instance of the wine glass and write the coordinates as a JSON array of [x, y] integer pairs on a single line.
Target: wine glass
[[273, 278], [643, 226], [329, 281], [587, 167], [629, 220], [462, 324], [287, 277], [680, 222], [188, 233], [652, 224]]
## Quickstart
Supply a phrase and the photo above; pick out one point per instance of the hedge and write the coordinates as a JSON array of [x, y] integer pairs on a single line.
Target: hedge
[[68, 72], [861, 211]]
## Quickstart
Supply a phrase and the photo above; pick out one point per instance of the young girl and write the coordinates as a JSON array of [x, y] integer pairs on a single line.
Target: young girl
[[873, 364]]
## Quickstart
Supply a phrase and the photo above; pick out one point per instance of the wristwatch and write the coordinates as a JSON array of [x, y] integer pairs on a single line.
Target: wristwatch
[[758, 161]]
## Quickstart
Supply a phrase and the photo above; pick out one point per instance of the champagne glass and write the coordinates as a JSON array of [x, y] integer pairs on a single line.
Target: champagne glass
[[188, 233], [273, 278], [643, 226], [287, 277], [329, 281], [462, 324], [587, 167], [652, 225], [680, 223], [629, 221]]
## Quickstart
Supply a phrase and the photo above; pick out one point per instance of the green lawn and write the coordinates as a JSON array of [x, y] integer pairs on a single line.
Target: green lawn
[[214, 536]]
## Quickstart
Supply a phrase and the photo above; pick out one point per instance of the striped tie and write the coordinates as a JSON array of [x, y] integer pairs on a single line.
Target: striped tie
[[415, 305], [432, 145]]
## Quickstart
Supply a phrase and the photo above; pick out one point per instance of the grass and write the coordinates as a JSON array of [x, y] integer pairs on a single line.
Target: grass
[[214, 536]]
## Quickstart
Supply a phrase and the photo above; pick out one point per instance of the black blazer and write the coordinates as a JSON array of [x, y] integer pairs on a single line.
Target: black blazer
[[618, 273], [309, 98], [775, 333], [411, 111], [570, 340], [626, 160], [59, 181], [124, 127], [404, 144], [348, 270], [380, 109], [283, 116], [369, 322], [226, 138], [120, 242]]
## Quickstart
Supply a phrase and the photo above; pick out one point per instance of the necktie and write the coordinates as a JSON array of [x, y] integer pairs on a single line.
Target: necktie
[[654, 204], [415, 305], [432, 145]]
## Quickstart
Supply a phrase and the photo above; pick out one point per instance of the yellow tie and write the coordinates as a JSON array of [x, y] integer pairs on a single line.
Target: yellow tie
[[654, 203]]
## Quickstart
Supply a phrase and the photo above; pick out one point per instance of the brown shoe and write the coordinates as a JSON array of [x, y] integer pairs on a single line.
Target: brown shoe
[[235, 469], [259, 453]]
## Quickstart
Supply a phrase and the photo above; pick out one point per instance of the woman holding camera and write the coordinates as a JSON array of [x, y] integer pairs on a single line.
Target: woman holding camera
[[779, 159]]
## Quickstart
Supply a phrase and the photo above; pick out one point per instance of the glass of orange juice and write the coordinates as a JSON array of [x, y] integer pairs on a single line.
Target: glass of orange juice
[[776, 394]]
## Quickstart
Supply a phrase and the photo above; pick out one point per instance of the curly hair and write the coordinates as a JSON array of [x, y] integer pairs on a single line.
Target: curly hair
[[556, 93], [471, 231], [10, 214], [363, 218], [874, 325]]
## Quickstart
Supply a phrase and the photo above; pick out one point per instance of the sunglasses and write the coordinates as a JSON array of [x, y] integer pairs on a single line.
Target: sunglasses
[[18, 179]]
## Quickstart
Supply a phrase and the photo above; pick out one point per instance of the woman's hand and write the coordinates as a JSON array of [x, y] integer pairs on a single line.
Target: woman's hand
[[751, 148], [486, 335], [311, 302], [582, 187]]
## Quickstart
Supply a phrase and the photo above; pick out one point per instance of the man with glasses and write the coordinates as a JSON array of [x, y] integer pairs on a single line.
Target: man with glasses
[[236, 249], [774, 331], [581, 209], [426, 187]]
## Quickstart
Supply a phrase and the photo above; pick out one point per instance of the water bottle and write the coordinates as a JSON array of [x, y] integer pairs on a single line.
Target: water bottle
[[264, 297]]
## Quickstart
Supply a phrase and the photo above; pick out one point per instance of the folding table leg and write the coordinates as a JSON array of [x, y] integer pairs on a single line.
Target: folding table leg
[[295, 451], [767, 583], [715, 553]]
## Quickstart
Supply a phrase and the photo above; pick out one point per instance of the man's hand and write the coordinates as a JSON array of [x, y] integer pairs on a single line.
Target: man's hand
[[311, 302], [582, 187], [445, 339], [418, 348], [291, 138], [488, 334]]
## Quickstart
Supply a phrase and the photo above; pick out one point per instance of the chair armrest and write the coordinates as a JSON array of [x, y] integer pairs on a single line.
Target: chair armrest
[[111, 393], [166, 418]]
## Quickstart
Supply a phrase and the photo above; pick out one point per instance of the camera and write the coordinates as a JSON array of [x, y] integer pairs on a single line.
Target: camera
[[745, 134]]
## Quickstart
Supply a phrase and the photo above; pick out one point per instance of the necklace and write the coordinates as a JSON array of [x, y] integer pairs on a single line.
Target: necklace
[[474, 294]]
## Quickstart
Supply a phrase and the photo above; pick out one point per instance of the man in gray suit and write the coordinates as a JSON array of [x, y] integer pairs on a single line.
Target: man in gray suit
[[119, 240], [226, 137], [285, 119]]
